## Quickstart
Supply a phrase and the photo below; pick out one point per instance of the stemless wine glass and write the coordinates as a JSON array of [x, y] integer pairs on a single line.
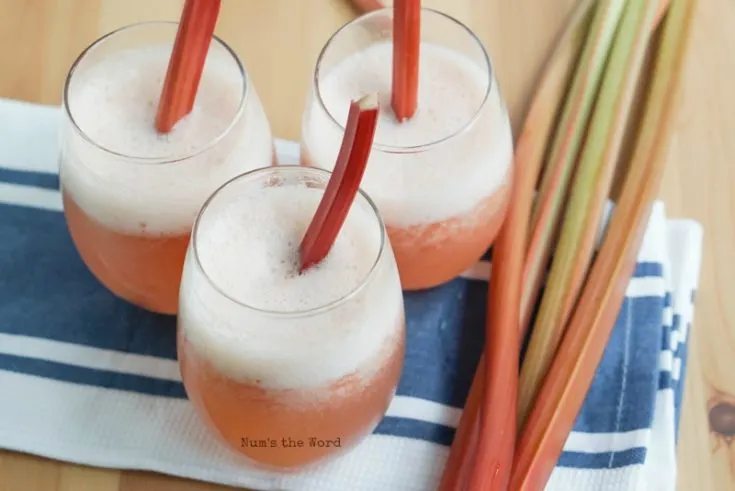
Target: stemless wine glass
[[441, 180], [288, 369], [131, 195]]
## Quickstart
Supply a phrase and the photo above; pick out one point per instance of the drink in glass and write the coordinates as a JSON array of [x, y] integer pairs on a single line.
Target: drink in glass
[[441, 179], [131, 194], [288, 369]]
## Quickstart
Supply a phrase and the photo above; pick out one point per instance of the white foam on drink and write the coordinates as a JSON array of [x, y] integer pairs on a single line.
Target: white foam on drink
[[421, 187], [114, 101], [250, 250], [247, 243]]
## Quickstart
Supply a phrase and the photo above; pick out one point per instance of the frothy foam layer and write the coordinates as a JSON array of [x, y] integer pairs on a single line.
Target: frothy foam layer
[[249, 248], [428, 186], [114, 102], [247, 242]]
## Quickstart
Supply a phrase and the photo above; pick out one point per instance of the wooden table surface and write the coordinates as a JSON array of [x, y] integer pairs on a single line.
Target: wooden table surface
[[40, 38]]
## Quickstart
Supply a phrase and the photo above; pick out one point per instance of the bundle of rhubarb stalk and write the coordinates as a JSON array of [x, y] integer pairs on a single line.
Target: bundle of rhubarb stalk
[[603, 110]]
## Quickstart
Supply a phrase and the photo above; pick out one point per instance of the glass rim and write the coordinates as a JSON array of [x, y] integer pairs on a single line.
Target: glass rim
[[158, 160], [298, 170], [399, 149]]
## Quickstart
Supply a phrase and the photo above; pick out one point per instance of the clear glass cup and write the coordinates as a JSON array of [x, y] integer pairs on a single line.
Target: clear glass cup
[[281, 372], [440, 180], [130, 195]]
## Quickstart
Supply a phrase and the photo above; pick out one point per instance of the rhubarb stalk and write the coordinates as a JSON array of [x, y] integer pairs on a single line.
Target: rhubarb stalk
[[459, 463], [196, 27], [406, 47], [529, 157], [565, 148], [496, 439], [589, 191], [343, 183], [579, 355]]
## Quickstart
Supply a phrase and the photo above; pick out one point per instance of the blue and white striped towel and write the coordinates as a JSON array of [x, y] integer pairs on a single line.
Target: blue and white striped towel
[[86, 378]]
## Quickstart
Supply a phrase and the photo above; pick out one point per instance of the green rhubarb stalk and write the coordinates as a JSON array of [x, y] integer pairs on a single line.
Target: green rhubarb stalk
[[575, 365], [589, 191], [565, 148]]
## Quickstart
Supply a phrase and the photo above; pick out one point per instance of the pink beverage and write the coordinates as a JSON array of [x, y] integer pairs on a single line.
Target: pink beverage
[[440, 180], [271, 357], [131, 194]]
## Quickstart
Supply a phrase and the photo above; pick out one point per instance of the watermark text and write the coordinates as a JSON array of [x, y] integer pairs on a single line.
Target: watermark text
[[288, 442]]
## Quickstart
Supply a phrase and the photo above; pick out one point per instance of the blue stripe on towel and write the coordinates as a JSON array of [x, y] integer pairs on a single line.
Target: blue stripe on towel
[[45, 180], [91, 376], [603, 460], [665, 381], [412, 428], [648, 269], [625, 372], [666, 338], [676, 327], [38, 254], [441, 329]]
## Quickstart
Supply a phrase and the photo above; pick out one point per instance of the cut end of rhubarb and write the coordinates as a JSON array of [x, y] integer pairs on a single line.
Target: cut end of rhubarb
[[343, 184], [406, 48], [196, 28], [368, 102]]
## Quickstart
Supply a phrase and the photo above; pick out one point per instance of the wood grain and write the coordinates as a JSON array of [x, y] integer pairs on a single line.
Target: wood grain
[[40, 38]]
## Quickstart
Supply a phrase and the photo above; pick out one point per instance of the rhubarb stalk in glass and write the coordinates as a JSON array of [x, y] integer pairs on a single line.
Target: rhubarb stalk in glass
[[344, 182], [406, 48], [196, 28], [574, 367]]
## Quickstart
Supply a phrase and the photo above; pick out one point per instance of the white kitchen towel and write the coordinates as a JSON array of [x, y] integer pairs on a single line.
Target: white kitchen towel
[[87, 378]]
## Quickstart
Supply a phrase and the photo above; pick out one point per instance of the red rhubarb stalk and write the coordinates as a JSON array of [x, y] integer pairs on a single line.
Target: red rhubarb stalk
[[497, 431], [461, 455], [406, 41], [186, 65], [344, 182]]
